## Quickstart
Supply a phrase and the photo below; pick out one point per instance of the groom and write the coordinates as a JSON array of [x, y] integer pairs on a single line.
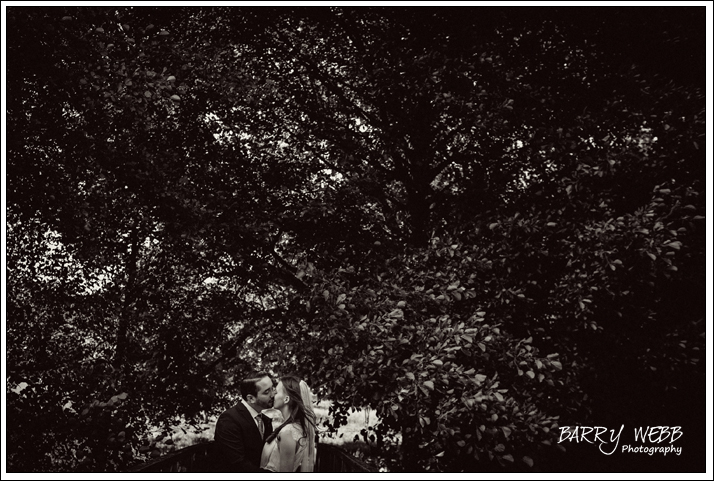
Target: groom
[[242, 429]]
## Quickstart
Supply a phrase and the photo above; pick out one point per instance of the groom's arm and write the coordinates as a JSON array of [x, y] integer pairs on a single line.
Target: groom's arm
[[230, 443]]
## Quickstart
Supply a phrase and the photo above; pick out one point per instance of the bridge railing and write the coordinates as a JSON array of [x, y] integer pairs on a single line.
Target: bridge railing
[[332, 459], [192, 459], [197, 459]]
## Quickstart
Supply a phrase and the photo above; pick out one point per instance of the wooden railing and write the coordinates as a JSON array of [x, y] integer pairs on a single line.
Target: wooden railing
[[192, 459], [332, 459], [197, 458]]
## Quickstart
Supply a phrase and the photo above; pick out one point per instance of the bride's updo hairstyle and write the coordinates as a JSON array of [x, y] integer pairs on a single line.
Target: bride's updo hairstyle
[[298, 412]]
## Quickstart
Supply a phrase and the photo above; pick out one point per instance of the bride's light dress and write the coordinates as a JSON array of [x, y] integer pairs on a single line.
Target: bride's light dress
[[270, 458]]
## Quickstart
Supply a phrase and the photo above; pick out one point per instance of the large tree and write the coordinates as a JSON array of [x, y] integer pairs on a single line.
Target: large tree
[[470, 219]]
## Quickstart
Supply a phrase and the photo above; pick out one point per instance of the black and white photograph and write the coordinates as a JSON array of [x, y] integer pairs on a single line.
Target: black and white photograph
[[357, 240]]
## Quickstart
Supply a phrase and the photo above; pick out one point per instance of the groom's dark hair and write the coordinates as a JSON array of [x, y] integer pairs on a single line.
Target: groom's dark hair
[[249, 384]]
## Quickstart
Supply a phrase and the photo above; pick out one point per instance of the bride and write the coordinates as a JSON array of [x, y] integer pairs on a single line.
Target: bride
[[291, 446]]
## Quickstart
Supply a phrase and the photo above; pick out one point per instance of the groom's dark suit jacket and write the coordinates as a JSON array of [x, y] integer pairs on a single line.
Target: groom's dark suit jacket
[[238, 444]]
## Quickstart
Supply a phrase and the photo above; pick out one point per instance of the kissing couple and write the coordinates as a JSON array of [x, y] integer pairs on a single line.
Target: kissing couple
[[245, 440]]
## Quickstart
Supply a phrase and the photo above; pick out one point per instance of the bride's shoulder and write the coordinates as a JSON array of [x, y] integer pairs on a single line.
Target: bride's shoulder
[[296, 431]]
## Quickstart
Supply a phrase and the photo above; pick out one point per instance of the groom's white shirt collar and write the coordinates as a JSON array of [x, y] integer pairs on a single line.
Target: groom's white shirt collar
[[253, 412]]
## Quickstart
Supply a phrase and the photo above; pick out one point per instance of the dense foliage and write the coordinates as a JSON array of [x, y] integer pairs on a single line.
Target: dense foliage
[[483, 223]]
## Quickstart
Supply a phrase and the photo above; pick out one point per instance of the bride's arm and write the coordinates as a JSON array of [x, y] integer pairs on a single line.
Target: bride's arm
[[287, 451]]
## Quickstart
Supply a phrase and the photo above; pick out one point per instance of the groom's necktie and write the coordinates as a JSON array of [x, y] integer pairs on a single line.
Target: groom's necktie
[[259, 420]]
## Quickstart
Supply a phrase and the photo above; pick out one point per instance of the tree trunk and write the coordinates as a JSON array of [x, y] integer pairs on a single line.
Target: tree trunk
[[418, 208], [127, 306]]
